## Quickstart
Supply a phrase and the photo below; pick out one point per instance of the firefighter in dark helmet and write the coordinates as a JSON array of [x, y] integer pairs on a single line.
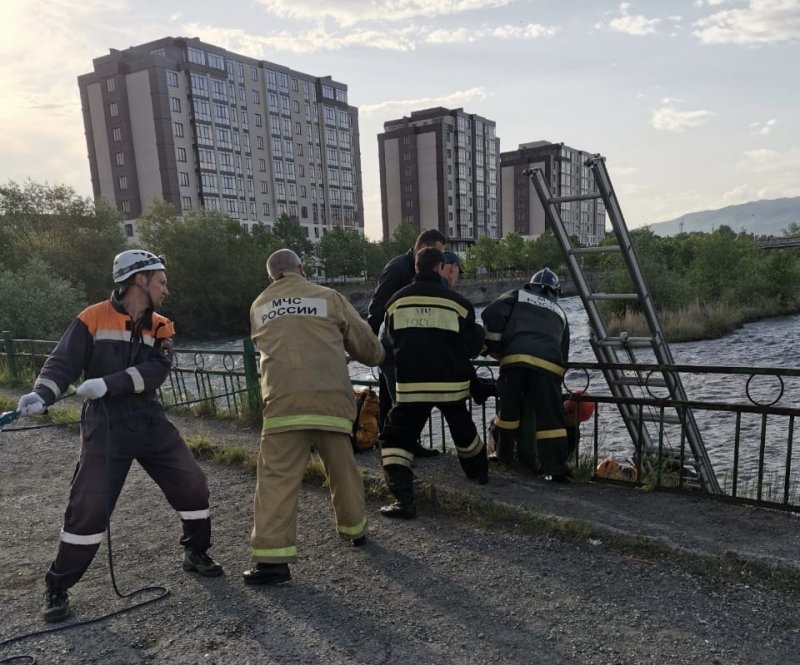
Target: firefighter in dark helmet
[[528, 333]]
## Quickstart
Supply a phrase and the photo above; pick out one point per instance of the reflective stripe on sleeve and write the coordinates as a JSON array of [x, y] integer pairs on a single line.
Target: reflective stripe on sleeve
[[532, 360], [50, 385], [493, 336], [76, 539], [138, 380], [195, 514]]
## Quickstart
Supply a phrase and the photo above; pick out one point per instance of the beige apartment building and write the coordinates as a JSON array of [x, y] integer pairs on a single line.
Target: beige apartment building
[[566, 175], [438, 169], [198, 126]]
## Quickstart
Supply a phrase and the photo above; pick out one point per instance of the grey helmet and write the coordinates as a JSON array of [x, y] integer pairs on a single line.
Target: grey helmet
[[547, 281], [131, 261]]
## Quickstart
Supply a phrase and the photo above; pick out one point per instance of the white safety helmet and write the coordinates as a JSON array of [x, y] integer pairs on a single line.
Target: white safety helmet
[[131, 261]]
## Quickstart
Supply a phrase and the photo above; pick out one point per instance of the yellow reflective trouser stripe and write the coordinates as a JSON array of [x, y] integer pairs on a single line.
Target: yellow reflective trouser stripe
[[396, 456], [275, 551], [532, 360], [429, 386], [410, 301], [308, 421], [506, 424], [472, 449], [433, 397], [551, 434], [353, 530]]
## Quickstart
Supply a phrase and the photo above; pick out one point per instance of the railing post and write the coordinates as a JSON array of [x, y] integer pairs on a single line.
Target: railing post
[[11, 361], [251, 376]]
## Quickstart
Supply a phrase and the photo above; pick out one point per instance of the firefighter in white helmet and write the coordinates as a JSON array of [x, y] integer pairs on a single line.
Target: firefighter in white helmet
[[123, 349]]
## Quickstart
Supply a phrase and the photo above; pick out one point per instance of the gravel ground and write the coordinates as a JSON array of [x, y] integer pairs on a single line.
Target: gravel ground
[[433, 590]]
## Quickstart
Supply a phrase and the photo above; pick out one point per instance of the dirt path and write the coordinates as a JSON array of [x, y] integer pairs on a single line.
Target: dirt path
[[434, 590]]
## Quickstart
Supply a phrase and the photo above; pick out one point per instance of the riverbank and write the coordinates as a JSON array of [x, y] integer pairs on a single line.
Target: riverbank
[[517, 571]]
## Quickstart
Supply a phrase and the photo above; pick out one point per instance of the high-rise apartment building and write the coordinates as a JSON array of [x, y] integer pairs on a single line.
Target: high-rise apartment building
[[439, 170], [566, 175], [199, 126]]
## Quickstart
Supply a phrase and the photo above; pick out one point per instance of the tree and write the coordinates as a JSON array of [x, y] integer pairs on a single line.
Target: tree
[[215, 266], [485, 253], [544, 251], [403, 239], [36, 302], [512, 252], [343, 253], [293, 236], [76, 237]]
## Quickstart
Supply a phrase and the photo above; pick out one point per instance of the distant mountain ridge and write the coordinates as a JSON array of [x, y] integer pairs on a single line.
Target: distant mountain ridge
[[766, 217]]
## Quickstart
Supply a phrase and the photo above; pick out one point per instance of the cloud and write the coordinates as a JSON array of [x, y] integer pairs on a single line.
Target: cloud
[[762, 128], [321, 39], [351, 12], [669, 119], [462, 35], [768, 174], [761, 22], [454, 99], [630, 24], [316, 39], [622, 171]]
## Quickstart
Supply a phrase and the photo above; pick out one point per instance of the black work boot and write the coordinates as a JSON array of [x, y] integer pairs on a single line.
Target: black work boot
[[400, 479], [267, 573], [56, 605], [200, 563], [421, 451]]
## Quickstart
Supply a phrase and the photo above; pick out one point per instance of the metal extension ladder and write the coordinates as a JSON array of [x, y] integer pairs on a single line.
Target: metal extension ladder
[[606, 347]]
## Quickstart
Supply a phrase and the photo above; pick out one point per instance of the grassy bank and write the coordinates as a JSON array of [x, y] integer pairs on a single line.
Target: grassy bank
[[699, 321]]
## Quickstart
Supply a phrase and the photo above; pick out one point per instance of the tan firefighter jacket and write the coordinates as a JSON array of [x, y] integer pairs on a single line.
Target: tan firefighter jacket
[[303, 331]]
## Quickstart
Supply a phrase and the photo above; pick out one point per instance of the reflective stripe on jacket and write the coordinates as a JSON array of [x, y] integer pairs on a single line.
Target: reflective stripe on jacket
[[524, 328], [304, 331], [434, 334]]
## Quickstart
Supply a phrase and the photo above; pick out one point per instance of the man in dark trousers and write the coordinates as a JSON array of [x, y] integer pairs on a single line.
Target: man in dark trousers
[[123, 348], [528, 332], [395, 275], [434, 335]]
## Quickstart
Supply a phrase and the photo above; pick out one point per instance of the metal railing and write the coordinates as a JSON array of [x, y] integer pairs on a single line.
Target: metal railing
[[747, 415]]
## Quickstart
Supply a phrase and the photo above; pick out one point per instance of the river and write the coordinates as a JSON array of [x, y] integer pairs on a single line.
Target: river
[[766, 343]]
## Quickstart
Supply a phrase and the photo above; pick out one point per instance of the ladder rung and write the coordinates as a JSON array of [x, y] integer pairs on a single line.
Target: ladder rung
[[577, 197], [595, 249], [655, 417], [641, 381], [614, 296], [634, 342]]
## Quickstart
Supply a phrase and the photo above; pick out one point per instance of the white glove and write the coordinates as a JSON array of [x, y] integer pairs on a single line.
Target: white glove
[[92, 389], [30, 405]]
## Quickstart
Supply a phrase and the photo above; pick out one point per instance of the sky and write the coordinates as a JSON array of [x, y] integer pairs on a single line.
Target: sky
[[695, 104]]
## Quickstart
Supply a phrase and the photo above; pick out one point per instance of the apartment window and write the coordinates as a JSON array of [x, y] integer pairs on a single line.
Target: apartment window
[[265, 208], [260, 142], [202, 110], [216, 61], [341, 95], [301, 170], [123, 182], [175, 104], [113, 110], [298, 129], [126, 206], [111, 85], [180, 154], [221, 112], [172, 79], [257, 119], [327, 91], [219, 88], [264, 187], [256, 97], [283, 82], [177, 128], [116, 134], [120, 157], [262, 165], [204, 134], [196, 55], [184, 178], [187, 202]]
